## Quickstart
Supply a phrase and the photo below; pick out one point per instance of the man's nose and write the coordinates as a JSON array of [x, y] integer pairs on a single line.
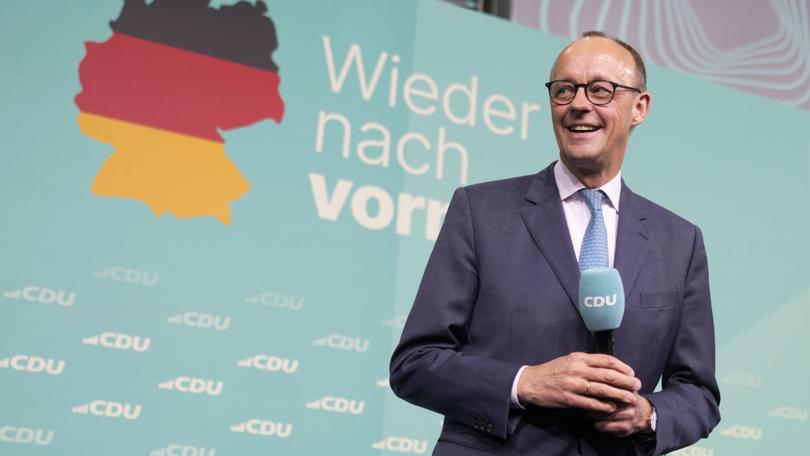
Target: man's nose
[[580, 101]]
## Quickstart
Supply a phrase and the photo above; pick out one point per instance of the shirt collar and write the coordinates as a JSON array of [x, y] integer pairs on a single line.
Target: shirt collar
[[568, 185]]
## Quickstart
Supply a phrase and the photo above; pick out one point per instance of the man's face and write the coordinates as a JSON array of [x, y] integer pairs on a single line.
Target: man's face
[[593, 139]]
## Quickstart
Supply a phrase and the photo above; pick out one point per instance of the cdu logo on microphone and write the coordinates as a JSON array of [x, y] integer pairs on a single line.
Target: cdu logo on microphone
[[601, 298], [599, 301]]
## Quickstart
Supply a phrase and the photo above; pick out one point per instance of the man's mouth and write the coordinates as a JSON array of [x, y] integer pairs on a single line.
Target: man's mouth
[[582, 128]]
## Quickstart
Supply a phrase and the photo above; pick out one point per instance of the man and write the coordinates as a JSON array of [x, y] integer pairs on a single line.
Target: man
[[494, 340]]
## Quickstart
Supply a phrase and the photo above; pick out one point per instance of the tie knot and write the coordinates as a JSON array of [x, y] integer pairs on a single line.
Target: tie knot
[[593, 198]]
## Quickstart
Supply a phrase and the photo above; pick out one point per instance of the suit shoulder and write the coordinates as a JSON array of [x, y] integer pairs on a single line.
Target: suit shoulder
[[500, 189]]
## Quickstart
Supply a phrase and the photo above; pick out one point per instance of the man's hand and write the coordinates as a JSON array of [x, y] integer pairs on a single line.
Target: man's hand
[[627, 419], [591, 382]]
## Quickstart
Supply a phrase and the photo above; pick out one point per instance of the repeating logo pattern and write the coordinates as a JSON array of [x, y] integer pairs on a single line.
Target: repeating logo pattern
[[119, 341], [401, 445], [128, 275], [193, 385], [277, 300], [270, 363], [342, 342], [26, 435], [264, 428], [109, 409], [42, 295], [338, 405], [201, 320], [34, 364]]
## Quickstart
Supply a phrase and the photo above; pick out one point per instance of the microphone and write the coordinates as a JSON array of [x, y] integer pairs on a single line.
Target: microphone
[[601, 304]]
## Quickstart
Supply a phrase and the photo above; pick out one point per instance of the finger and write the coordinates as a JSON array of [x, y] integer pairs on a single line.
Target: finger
[[613, 378], [620, 428], [590, 404], [607, 392], [608, 362], [621, 413], [597, 416], [617, 428]]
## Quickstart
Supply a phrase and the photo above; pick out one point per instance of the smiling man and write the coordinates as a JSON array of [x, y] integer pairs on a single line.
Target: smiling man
[[592, 126], [494, 340]]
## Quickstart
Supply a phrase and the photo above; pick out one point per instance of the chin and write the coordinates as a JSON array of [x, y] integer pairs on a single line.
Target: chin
[[580, 154], [585, 161]]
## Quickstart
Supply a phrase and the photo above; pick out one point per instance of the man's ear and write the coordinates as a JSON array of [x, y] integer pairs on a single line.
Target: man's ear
[[641, 107]]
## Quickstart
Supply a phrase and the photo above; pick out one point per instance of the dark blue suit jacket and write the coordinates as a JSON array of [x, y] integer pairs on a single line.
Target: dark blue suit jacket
[[500, 291]]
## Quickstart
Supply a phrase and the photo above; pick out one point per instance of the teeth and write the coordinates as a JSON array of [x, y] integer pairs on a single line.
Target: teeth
[[582, 128]]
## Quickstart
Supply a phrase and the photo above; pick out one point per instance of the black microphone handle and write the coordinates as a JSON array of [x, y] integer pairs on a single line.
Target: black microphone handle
[[604, 342]]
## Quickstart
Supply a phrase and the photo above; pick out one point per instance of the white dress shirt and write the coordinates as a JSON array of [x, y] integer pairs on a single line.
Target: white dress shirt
[[577, 216]]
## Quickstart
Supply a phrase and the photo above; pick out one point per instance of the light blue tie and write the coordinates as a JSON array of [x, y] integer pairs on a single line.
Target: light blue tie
[[594, 251]]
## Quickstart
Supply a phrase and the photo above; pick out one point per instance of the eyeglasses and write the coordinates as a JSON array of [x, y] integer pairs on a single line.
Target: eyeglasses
[[599, 93]]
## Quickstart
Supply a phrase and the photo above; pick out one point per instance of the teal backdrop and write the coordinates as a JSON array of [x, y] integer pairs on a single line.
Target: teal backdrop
[[127, 333]]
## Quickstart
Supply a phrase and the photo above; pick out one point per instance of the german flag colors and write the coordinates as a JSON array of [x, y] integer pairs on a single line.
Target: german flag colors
[[161, 107]]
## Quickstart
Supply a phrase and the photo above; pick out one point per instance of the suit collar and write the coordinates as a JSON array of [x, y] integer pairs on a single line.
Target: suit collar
[[543, 186]]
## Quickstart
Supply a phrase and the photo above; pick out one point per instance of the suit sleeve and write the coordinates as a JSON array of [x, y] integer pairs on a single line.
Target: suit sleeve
[[688, 404], [429, 367]]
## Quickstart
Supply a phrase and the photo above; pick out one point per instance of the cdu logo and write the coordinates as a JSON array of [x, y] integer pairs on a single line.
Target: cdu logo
[[270, 363], [263, 428], [276, 300], [742, 432], [42, 296], [338, 342], [337, 405], [35, 364], [789, 413], [401, 445], [600, 301], [193, 385], [176, 449], [109, 409], [24, 435], [201, 320], [128, 275], [119, 341]]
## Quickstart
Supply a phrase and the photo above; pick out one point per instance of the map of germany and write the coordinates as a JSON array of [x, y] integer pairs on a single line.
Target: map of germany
[[171, 75]]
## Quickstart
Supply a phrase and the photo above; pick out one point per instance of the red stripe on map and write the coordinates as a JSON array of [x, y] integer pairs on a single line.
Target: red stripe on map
[[161, 86]]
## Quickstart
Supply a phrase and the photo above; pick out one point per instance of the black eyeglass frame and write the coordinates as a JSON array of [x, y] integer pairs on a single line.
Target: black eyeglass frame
[[615, 85]]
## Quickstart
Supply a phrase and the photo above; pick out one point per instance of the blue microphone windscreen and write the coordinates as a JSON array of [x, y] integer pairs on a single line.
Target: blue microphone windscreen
[[601, 298]]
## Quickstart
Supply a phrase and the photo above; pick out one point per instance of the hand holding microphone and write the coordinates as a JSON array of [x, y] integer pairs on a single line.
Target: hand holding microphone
[[593, 382], [601, 304]]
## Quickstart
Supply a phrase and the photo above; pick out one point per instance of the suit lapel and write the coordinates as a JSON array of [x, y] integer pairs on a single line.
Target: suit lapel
[[546, 223], [632, 239]]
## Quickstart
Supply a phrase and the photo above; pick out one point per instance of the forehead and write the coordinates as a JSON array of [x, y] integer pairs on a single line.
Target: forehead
[[593, 58]]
